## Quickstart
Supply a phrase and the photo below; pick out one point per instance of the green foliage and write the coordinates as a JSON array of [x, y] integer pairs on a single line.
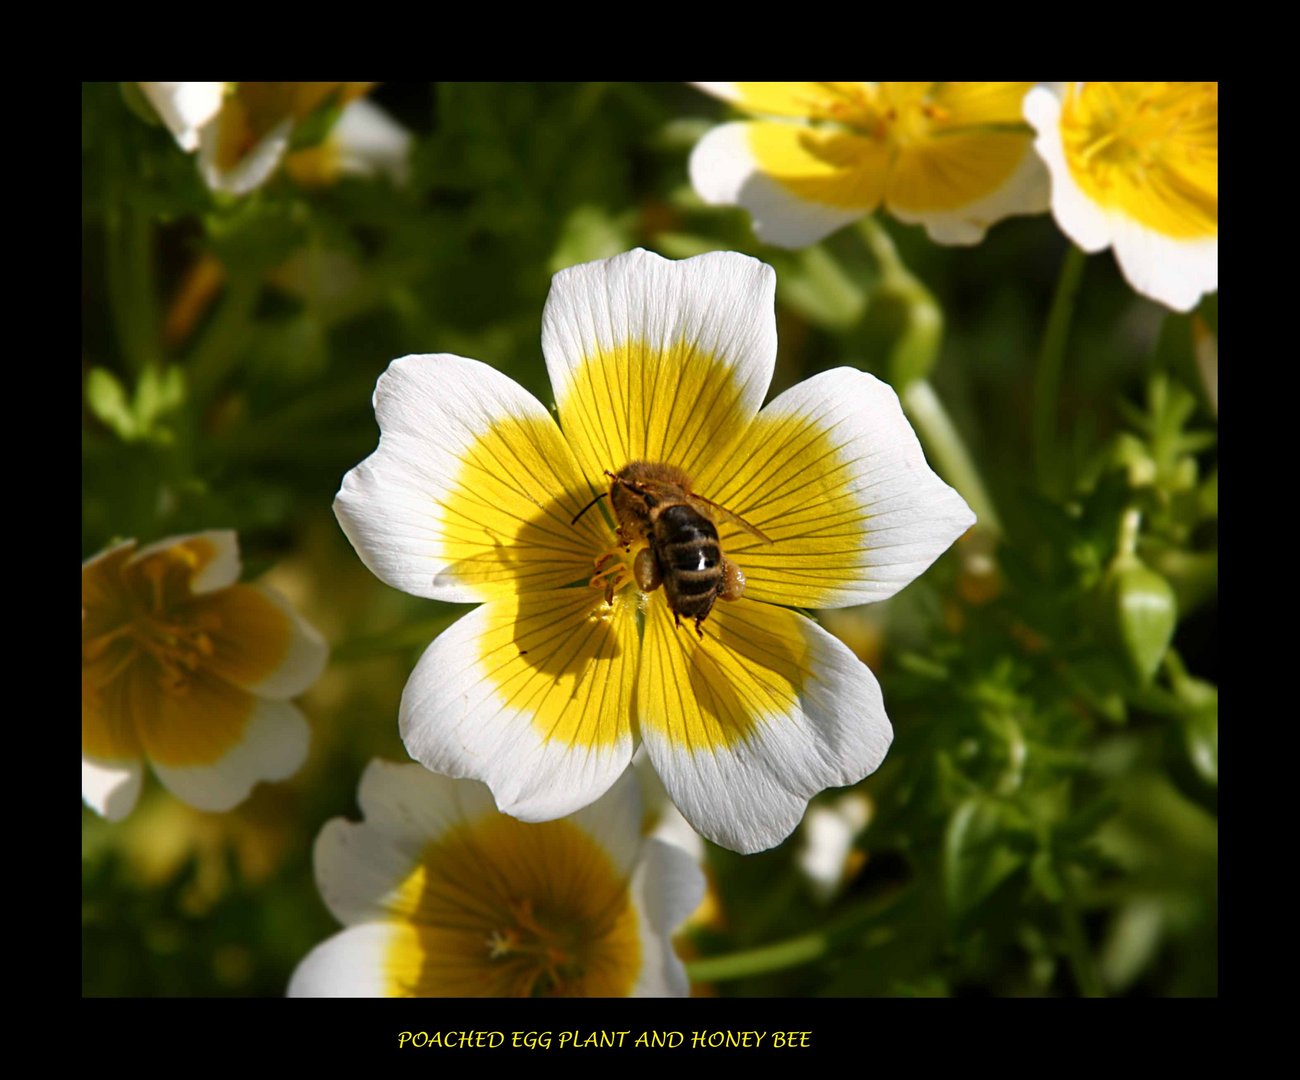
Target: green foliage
[[1045, 822]]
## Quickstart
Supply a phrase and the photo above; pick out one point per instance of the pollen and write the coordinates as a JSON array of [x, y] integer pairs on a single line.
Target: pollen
[[901, 114], [1148, 151]]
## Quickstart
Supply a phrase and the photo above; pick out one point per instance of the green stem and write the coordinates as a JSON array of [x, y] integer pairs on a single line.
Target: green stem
[[133, 297], [917, 349], [1082, 966], [949, 451], [225, 339], [910, 363], [1126, 540], [792, 952], [1051, 360]]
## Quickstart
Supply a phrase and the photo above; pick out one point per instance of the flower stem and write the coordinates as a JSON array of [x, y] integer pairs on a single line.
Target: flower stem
[[792, 952], [944, 442], [131, 285], [225, 338], [1051, 359], [917, 348], [912, 359]]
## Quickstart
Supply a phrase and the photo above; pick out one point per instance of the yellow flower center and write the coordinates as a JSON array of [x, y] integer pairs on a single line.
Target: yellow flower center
[[501, 908], [903, 114], [146, 623], [541, 954], [1147, 150]]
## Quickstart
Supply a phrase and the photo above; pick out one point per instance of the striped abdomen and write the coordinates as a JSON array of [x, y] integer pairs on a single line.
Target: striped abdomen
[[690, 560]]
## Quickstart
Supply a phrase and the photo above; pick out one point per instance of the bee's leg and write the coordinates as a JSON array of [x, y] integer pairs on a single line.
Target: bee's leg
[[698, 620], [645, 569], [609, 577], [732, 585], [677, 621]]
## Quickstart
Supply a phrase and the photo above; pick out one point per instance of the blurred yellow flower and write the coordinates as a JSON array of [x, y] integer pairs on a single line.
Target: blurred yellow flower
[[1136, 166], [184, 667], [242, 131], [443, 896], [954, 157]]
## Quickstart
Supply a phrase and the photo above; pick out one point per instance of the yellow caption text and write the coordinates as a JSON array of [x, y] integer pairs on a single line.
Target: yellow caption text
[[584, 1040]]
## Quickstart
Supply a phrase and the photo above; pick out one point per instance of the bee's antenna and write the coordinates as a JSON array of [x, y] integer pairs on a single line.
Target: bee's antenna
[[588, 507]]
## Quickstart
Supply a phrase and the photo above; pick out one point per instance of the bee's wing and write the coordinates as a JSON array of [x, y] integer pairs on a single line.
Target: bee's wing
[[736, 518]]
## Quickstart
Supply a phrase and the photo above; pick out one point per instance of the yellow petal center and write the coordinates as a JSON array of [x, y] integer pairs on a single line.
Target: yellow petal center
[[500, 908], [143, 621], [1148, 150]]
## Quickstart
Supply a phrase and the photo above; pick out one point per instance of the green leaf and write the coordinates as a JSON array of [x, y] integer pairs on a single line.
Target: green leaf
[[1201, 738], [980, 852], [1140, 614], [139, 104], [107, 401], [159, 392]]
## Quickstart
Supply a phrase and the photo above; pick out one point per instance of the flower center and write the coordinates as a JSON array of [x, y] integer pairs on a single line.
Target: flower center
[[501, 908], [177, 642], [541, 955], [902, 114], [1148, 150]]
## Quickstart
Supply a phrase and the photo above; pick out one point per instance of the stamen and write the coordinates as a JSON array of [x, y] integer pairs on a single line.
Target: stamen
[[96, 647], [541, 961]]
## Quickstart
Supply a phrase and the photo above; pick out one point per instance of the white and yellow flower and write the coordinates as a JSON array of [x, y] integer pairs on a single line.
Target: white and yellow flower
[[443, 896], [544, 691], [187, 669], [1135, 166], [954, 157], [242, 131]]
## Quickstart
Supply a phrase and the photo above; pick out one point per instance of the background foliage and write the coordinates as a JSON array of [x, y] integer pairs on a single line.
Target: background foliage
[[1046, 822]]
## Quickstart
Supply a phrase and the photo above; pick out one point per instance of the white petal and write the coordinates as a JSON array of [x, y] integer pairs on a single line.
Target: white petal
[[725, 172], [350, 964], [369, 141], [185, 107], [667, 887], [864, 516], [748, 792], [219, 572], [274, 747], [671, 828], [1081, 219], [253, 169], [472, 711], [614, 822], [720, 306], [361, 866], [305, 660], [111, 788], [1175, 272], [429, 521]]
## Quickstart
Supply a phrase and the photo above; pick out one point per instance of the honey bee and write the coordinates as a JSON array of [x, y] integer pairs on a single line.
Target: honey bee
[[654, 502]]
